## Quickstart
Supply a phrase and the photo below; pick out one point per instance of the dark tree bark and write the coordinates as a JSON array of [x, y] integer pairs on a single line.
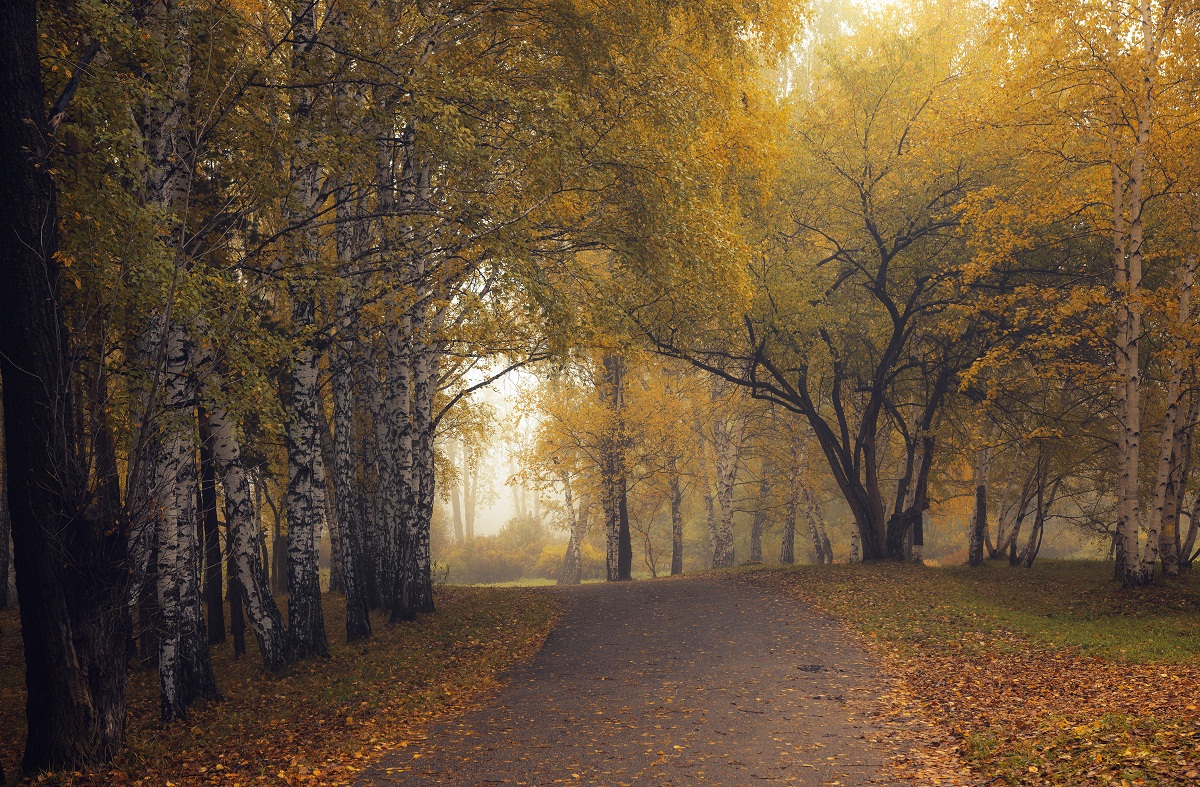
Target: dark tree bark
[[237, 616], [979, 521], [760, 513], [343, 368], [624, 542], [69, 549], [5, 519], [212, 535], [676, 518], [147, 603]]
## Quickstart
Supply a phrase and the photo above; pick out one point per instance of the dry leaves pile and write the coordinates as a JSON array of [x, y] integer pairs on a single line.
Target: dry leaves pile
[[321, 722], [982, 675]]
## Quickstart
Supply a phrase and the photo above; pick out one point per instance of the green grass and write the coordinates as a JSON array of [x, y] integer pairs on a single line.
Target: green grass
[[1058, 604]]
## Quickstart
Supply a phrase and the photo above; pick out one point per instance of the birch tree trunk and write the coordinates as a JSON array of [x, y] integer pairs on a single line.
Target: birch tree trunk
[[305, 492], [816, 522], [727, 440], [185, 670], [244, 534], [397, 466], [1161, 512], [572, 564], [425, 373], [343, 368]]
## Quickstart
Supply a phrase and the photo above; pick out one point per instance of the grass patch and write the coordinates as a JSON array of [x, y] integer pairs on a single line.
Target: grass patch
[[1054, 675], [319, 722]]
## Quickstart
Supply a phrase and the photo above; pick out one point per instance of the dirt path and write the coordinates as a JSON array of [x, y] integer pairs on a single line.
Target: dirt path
[[692, 681]]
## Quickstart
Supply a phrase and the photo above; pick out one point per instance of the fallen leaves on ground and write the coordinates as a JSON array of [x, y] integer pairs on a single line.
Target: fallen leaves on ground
[[981, 675], [321, 722]]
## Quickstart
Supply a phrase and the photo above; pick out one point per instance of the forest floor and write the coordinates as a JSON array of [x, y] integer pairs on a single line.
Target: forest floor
[[319, 722], [691, 680], [1048, 676]]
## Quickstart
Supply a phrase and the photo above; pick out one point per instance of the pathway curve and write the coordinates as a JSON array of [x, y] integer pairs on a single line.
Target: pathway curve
[[701, 680]]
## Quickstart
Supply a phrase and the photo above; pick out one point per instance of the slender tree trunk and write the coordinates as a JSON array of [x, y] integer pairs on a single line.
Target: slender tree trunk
[[470, 491], [425, 373], [676, 517], [979, 526], [244, 541], [1162, 514], [305, 496], [727, 440], [398, 482], [612, 467], [816, 522], [1186, 553], [572, 564], [344, 384], [184, 668], [456, 492], [787, 547], [5, 519], [760, 512], [337, 582], [233, 591], [212, 535]]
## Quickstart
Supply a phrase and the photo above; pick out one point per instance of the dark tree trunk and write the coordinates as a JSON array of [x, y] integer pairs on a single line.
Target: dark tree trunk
[[333, 523], [69, 557], [237, 617], [343, 363], [5, 519], [148, 607], [212, 536], [676, 519], [624, 543], [760, 513], [979, 521]]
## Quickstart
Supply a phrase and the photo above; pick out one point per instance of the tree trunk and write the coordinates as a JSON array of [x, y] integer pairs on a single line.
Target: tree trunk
[[184, 667], [5, 519], [979, 527], [619, 546], [425, 374], [787, 547], [760, 512], [212, 535], [1161, 526], [470, 490], [1186, 554], [398, 478], [243, 535], [337, 581], [305, 494], [727, 443], [233, 592], [676, 517], [572, 565], [69, 559], [821, 545], [456, 492], [345, 384]]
